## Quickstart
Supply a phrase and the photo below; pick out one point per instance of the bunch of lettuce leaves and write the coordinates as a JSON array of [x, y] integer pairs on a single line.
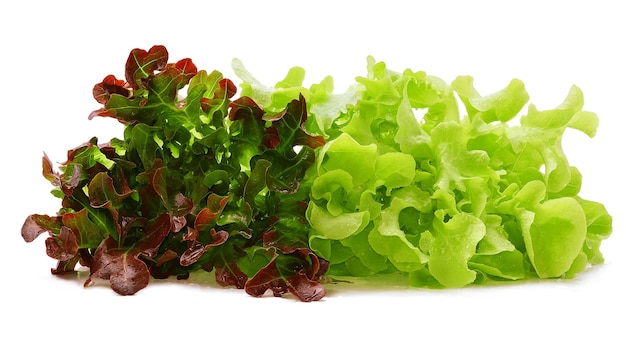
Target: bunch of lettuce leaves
[[280, 188], [199, 182], [407, 184]]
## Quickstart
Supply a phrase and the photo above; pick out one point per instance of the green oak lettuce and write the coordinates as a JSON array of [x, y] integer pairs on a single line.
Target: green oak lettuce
[[408, 183]]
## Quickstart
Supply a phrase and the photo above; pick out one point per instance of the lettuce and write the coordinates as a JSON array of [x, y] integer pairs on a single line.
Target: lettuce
[[202, 180], [408, 183], [282, 187]]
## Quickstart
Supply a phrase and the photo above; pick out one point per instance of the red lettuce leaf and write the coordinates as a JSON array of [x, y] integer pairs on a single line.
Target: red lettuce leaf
[[49, 173], [36, 224], [154, 235], [66, 266], [174, 201], [123, 268], [62, 246], [289, 127], [208, 215], [297, 273], [110, 85], [102, 192], [229, 274], [142, 64], [87, 233], [197, 248]]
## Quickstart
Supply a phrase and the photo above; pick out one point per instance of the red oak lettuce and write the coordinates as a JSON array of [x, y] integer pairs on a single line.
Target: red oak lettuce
[[200, 181]]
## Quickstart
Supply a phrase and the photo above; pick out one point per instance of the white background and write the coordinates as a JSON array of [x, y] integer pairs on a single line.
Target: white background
[[53, 52]]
